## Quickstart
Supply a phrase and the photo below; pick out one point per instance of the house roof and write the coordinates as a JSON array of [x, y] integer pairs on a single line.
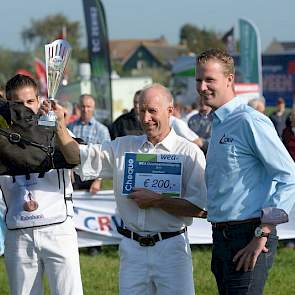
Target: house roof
[[288, 45], [122, 50], [165, 55], [280, 46]]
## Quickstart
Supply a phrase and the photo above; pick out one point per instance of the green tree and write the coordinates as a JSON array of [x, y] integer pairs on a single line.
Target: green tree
[[44, 31], [11, 61], [197, 39]]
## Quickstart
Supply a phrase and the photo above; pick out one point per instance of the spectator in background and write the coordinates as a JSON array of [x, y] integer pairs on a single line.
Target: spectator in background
[[194, 111], [258, 104], [178, 110], [2, 91], [181, 128], [76, 113], [288, 136], [124, 111], [128, 124], [288, 139], [91, 131], [201, 124], [279, 116]]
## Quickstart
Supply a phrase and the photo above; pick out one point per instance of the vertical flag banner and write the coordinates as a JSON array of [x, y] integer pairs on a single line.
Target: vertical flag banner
[[229, 41], [98, 48], [250, 53]]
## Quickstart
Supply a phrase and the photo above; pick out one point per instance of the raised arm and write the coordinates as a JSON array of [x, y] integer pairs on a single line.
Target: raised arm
[[68, 146]]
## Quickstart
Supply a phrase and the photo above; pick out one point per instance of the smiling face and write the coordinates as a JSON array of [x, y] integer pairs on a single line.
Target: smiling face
[[155, 109], [213, 85], [28, 96]]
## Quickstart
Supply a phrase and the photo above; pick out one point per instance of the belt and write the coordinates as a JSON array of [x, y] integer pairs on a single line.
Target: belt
[[222, 225], [149, 240]]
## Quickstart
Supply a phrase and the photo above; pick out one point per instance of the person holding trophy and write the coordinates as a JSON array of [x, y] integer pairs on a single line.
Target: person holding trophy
[[158, 181], [41, 236]]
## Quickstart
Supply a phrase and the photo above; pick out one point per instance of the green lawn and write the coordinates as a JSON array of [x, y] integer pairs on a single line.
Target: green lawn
[[100, 273]]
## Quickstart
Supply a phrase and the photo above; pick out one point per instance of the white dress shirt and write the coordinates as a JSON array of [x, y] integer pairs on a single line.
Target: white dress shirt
[[107, 160]]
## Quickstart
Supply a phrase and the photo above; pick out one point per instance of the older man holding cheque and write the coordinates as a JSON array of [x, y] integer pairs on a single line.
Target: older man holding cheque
[[155, 255]]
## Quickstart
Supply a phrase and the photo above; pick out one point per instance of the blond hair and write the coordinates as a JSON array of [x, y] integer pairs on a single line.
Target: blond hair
[[220, 56]]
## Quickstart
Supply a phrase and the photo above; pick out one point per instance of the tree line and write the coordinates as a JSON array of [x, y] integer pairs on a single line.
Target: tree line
[[45, 30]]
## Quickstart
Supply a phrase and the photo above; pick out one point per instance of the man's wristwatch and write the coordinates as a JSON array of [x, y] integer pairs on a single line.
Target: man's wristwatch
[[259, 233]]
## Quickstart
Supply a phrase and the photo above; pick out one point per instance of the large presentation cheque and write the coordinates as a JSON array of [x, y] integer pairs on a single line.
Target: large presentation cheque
[[160, 173]]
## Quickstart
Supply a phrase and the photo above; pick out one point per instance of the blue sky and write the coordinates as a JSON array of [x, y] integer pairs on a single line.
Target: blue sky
[[153, 18]]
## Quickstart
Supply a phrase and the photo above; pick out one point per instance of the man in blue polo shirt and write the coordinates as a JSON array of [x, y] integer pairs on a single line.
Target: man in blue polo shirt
[[250, 180], [91, 131]]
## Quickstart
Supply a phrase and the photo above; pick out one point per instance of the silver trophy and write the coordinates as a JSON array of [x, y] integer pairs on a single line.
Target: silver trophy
[[57, 55]]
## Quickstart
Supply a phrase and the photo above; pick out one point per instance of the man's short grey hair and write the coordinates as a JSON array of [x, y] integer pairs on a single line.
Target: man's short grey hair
[[85, 95], [164, 91], [254, 102]]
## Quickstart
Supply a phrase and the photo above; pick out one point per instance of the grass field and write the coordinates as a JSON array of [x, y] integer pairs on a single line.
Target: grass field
[[100, 273]]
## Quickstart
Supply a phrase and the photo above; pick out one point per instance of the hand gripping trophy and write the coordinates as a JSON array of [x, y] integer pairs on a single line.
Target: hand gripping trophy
[[57, 55]]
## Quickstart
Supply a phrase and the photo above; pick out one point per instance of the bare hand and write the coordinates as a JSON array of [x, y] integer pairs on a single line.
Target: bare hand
[[95, 186], [53, 105], [144, 198], [246, 258], [202, 214], [199, 141]]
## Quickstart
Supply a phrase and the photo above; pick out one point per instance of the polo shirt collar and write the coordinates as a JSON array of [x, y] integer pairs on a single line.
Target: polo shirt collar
[[91, 122], [222, 112]]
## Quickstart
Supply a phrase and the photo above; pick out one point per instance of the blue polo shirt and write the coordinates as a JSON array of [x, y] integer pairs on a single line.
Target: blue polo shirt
[[248, 167], [91, 132]]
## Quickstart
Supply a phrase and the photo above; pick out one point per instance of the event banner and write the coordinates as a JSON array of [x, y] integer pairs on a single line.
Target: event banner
[[161, 173], [250, 54], [96, 221], [98, 48]]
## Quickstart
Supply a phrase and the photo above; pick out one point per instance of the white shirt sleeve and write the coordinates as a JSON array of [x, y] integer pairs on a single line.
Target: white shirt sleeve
[[96, 161], [181, 128]]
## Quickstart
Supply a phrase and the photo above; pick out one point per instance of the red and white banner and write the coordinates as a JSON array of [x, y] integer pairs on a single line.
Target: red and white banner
[[247, 91], [246, 88]]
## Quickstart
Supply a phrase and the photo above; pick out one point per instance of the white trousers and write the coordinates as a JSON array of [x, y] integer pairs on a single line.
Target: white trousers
[[52, 249], [163, 269]]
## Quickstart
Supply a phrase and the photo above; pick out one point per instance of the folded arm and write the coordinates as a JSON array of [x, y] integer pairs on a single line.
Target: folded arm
[[145, 198]]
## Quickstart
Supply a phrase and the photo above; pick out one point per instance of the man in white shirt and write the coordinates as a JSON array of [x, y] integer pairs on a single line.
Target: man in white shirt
[[41, 236], [154, 252], [181, 128]]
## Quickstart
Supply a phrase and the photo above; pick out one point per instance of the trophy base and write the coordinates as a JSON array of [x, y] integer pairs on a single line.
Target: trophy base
[[47, 120], [46, 123]]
